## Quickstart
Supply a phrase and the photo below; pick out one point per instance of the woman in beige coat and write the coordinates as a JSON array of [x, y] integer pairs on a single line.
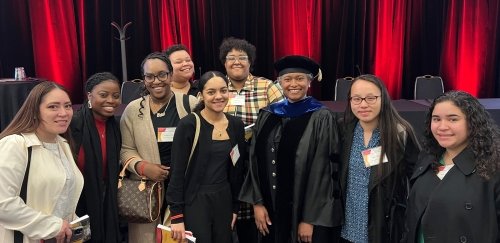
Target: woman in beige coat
[[158, 110], [39, 133]]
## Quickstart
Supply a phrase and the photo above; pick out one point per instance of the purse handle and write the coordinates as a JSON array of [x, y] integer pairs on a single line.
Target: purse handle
[[195, 142], [141, 186], [122, 173]]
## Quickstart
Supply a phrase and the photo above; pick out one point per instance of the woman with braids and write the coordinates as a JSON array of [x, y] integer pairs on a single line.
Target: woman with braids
[[455, 194], [379, 152], [147, 127], [97, 144]]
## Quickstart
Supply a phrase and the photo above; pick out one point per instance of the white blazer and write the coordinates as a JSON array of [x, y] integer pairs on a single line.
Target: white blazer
[[45, 183]]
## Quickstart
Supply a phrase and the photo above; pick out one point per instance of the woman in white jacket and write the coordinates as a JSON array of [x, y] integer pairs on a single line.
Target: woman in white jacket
[[54, 183]]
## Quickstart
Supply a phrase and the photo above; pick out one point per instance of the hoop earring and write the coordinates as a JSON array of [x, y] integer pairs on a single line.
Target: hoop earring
[[89, 104]]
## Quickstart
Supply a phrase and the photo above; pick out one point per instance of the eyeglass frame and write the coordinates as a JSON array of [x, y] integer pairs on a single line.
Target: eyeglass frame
[[157, 77], [364, 99], [240, 59]]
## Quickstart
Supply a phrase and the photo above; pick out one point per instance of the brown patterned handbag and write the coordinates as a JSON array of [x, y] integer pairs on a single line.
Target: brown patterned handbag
[[139, 201]]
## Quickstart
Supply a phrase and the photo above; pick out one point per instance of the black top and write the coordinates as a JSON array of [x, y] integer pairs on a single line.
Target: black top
[[169, 119], [185, 180], [193, 89], [218, 165]]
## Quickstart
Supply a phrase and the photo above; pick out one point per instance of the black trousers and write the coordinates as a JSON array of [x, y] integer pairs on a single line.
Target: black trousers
[[320, 235], [247, 231], [209, 216]]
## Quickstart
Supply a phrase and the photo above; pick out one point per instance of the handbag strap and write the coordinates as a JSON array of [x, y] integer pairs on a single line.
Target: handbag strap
[[195, 140], [158, 185], [122, 173], [166, 218], [18, 236]]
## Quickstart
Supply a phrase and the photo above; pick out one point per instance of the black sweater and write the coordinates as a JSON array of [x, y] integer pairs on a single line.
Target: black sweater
[[183, 186]]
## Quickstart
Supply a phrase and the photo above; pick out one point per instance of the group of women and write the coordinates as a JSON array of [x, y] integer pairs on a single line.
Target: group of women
[[310, 176]]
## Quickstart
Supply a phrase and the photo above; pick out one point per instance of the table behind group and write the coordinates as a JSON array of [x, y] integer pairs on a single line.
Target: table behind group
[[13, 93]]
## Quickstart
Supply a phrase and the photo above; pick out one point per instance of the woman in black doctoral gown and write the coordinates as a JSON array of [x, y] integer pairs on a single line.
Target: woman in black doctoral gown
[[293, 173]]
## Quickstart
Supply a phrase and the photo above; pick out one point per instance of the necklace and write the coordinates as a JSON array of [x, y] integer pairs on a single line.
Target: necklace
[[218, 132], [158, 113]]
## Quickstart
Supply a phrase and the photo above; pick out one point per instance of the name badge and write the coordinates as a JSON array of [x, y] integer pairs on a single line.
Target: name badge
[[235, 154], [371, 156], [237, 100], [166, 134]]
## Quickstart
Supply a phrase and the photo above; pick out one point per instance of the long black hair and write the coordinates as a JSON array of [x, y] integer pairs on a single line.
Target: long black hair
[[201, 85], [483, 133], [388, 121]]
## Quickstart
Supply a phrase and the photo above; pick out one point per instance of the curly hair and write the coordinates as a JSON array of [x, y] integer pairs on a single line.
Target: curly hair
[[173, 48], [144, 92], [483, 133], [231, 43], [389, 120]]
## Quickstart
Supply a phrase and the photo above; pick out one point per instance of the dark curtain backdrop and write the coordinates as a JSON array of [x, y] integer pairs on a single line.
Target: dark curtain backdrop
[[67, 41]]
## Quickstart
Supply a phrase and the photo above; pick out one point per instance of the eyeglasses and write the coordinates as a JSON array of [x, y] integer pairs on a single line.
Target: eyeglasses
[[162, 77], [356, 100], [239, 58]]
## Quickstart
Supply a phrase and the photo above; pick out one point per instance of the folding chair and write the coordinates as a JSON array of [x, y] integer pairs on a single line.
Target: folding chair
[[428, 87], [342, 87], [131, 90]]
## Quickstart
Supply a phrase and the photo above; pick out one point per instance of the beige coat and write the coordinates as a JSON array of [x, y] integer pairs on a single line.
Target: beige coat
[[45, 183], [139, 143]]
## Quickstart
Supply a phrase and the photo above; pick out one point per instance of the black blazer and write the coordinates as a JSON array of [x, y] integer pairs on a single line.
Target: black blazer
[[463, 207], [183, 188]]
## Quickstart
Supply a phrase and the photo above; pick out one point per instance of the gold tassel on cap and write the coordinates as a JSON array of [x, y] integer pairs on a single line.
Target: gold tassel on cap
[[319, 76]]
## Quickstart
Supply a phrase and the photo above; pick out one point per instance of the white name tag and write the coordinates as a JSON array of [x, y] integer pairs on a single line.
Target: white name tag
[[371, 156], [237, 100], [166, 134], [235, 154]]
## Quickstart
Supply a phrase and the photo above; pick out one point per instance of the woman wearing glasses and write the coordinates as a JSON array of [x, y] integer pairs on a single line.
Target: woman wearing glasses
[[147, 127], [247, 95], [379, 151]]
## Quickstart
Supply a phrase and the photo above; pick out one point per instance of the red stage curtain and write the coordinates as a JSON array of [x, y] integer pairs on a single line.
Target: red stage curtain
[[174, 23], [469, 44], [389, 44], [55, 45], [296, 28], [67, 41]]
